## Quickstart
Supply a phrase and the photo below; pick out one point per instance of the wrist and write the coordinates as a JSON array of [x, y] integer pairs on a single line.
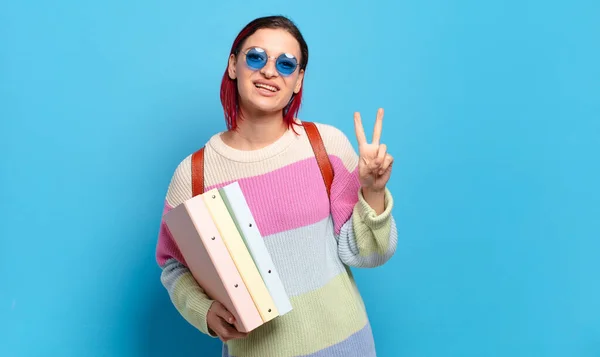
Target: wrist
[[372, 192], [375, 198]]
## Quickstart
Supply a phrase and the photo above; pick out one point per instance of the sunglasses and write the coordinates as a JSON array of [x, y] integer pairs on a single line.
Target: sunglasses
[[256, 58]]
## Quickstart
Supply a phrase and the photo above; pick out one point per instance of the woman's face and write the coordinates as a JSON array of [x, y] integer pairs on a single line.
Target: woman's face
[[267, 89]]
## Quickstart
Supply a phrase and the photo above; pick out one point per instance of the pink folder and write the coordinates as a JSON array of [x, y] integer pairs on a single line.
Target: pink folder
[[208, 259]]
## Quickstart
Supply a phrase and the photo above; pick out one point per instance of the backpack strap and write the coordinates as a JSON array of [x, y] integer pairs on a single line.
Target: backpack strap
[[316, 142], [320, 153], [198, 172]]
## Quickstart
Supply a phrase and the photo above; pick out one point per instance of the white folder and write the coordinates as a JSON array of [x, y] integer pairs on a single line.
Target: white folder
[[239, 209]]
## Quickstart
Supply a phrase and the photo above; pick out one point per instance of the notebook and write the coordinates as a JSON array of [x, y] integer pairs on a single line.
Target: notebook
[[239, 209], [240, 255], [209, 261]]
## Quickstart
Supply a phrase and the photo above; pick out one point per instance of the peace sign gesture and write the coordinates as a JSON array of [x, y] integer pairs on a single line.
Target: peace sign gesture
[[374, 163]]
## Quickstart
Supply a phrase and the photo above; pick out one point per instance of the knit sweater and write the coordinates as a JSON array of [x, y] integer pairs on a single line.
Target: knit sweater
[[313, 240]]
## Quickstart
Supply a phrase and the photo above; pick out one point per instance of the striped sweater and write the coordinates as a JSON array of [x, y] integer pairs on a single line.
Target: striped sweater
[[313, 240]]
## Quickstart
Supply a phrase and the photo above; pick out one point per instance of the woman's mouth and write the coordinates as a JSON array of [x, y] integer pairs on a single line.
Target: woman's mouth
[[266, 87], [266, 90]]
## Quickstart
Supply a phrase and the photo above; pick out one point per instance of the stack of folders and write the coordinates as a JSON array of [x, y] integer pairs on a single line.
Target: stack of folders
[[225, 252]]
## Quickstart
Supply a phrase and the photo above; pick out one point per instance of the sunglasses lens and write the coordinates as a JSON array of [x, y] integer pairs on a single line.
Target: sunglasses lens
[[286, 64], [256, 58]]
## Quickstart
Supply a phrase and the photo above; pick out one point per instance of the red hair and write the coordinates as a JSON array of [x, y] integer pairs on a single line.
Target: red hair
[[229, 92]]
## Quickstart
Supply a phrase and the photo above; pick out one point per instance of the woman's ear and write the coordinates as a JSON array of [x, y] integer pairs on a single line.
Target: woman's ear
[[299, 81], [231, 67]]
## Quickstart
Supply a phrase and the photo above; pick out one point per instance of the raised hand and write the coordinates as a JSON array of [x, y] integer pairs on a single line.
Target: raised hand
[[374, 163]]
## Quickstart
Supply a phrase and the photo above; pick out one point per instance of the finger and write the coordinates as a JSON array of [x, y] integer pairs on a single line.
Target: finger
[[378, 126], [222, 312], [376, 162], [222, 331], [381, 152], [234, 333], [229, 332], [358, 128], [387, 164]]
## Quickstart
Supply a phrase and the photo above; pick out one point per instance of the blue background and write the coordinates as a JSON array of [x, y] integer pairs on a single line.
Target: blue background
[[492, 114]]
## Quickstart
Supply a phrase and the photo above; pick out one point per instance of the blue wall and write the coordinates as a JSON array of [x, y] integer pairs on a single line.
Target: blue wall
[[492, 113]]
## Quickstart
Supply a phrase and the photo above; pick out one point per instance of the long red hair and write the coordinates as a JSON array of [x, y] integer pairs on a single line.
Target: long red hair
[[229, 91]]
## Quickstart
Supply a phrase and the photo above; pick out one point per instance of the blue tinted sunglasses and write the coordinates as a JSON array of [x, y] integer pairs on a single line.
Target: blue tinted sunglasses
[[256, 58]]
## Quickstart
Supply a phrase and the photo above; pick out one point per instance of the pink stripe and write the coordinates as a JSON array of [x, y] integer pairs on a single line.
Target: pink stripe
[[166, 247], [344, 194], [294, 196], [287, 198]]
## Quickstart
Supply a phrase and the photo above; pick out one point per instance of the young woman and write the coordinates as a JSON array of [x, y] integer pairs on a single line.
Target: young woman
[[314, 235]]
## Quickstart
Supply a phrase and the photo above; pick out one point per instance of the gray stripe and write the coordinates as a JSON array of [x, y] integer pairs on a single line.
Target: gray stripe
[[349, 251], [172, 270], [306, 258], [359, 344]]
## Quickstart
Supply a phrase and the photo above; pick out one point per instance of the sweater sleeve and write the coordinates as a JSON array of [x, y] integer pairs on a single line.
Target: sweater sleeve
[[365, 239], [368, 240], [187, 296]]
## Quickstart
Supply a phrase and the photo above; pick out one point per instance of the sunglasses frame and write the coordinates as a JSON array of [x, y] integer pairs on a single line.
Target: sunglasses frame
[[287, 56]]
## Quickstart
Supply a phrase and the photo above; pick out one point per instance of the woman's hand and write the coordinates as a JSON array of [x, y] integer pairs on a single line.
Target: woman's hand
[[220, 322], [374, 163]]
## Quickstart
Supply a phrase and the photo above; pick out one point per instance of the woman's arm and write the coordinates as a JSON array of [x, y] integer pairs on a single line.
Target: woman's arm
[[187, 296], [361, 203]]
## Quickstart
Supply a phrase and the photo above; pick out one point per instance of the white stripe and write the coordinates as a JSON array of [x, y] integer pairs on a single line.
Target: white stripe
[[305, 257], [350, 254]]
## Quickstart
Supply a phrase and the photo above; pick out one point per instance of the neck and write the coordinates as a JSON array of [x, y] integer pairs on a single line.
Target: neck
[[256, 131]]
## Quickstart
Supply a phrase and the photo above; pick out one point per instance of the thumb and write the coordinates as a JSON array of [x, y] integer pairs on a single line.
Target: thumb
[[222, 312]]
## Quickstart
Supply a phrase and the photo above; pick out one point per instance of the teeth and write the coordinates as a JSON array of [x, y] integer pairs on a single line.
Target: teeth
[[271, 88]]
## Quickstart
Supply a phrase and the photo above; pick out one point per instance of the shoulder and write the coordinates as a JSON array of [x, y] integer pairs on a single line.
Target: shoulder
[[338, 145], [330, 132], [332, 136], [180, 187]]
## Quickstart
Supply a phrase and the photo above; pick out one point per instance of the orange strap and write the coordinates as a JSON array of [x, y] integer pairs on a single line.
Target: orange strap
[[314, 137], [198, 172], [320, 153]]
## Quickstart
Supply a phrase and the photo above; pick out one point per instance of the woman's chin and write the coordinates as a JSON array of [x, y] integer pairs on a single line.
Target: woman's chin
[[265, 106]]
